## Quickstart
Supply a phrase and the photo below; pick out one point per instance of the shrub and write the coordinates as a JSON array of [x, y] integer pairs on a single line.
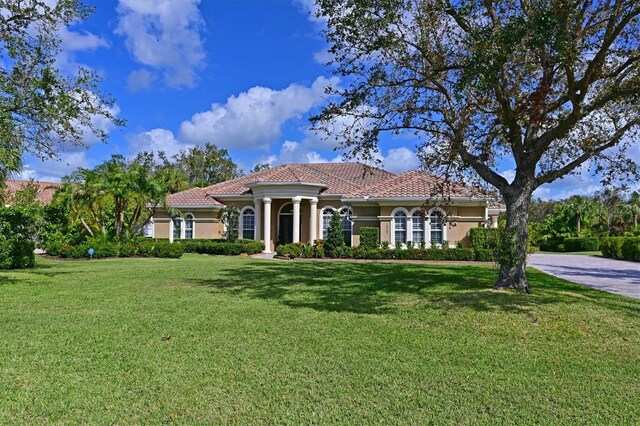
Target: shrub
[[630, 248], [369, 237], [20, 222], [581, 244], [484, 255], [220, 247], [291, 250], [165, 249], [335, 237], [612, 247], [16, 254], [484, 238]]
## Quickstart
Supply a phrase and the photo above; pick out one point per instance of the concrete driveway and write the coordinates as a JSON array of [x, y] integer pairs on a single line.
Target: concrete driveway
[[614, 276]]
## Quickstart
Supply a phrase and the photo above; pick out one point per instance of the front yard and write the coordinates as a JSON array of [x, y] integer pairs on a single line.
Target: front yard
[[235, 340]]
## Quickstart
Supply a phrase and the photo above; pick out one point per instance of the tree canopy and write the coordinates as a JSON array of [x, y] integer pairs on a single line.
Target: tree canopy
[[40, 106], [544, 86]]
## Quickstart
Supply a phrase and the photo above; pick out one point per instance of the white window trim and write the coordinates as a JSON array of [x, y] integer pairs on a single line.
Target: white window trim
[[350, 221], [153, 228], [322, 210], [393, 225], [184, 226], [410, 226], [241, 224], [428, 224]]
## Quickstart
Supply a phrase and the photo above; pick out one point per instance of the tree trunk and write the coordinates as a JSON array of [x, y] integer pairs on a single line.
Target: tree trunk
[[513, 261], [579, 223]]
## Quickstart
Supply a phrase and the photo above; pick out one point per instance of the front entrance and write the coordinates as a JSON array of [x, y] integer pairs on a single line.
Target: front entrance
[[285, 224]]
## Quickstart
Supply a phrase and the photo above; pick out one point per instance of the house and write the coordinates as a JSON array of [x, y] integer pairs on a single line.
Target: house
[[45, 190], [294, 202]]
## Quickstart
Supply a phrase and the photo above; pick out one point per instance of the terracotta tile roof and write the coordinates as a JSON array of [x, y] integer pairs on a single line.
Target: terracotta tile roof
[[45, 189], [192, 197], [351, 180], [414, 183], [338, 178]]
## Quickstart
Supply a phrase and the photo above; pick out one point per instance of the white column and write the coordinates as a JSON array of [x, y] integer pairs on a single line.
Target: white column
[[296, 219], [313, 220], [258, 209], [170, 230], [267, 224]]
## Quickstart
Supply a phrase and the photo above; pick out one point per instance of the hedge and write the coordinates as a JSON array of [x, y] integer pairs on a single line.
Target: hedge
[[631, 248], [105, 248], [581, 244], [483, 238], [221, 247], [369, 237], [627, 248], [17, 254], [293, 251]]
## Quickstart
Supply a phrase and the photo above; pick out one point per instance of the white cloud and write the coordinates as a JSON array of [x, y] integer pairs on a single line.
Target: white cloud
[[323, 56], [253, 119], [400, 160], [54, 170], [156, 140], [140, 80], [509, 175], [166, 36], [73, 42]]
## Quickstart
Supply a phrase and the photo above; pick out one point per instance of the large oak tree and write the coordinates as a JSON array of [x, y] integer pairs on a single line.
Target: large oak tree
[[40, 106], [544, 85]]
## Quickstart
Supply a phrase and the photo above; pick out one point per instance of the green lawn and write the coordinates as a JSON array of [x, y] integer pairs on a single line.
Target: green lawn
[[273, 342]]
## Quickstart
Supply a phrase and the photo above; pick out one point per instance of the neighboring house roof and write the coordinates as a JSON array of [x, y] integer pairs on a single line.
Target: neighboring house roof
[[45, 189], [411, 184], [194, 197], [338, 178], [348, 180]]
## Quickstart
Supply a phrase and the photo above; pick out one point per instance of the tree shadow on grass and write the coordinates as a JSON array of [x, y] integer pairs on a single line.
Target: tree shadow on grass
[[376, 288]]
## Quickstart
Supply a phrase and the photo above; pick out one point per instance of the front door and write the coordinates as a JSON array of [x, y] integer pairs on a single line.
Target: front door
[[285, 224]]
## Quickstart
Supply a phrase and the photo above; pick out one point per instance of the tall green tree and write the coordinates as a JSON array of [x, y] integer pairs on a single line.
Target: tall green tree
[[545, 85], [39, 105], [206, 165]]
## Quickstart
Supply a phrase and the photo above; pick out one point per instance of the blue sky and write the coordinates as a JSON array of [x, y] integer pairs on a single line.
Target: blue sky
[[243, 74]]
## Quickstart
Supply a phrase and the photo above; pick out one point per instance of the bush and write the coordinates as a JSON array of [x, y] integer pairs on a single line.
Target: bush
[[17, 254], [581, 244], [104, 248], [369, 237], [335, 237], [484, 255], [612, 247], [221, 247], [165, 249], [484, 238], [630, 249], [291, 250]]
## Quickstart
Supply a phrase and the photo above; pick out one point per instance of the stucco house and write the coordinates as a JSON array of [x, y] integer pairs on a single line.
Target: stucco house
[[294, 202]]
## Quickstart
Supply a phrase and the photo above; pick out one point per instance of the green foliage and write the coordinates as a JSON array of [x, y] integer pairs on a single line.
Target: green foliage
[[369, 237], [230, 216], [206, 165], [572, 244], [630, 249], [20, 222], [485, 255], [39, 104], [221, 247], [105, 248], [612, 247], [335, 238], [483, 238], [16, 254], [292, 250]]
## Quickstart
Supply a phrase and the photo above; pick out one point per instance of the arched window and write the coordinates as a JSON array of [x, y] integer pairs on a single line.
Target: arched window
[[418, 228], [400, 228], [436, 225], [177, 228], [248, 224], [188, 226], [327, 213], [345, 214]]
